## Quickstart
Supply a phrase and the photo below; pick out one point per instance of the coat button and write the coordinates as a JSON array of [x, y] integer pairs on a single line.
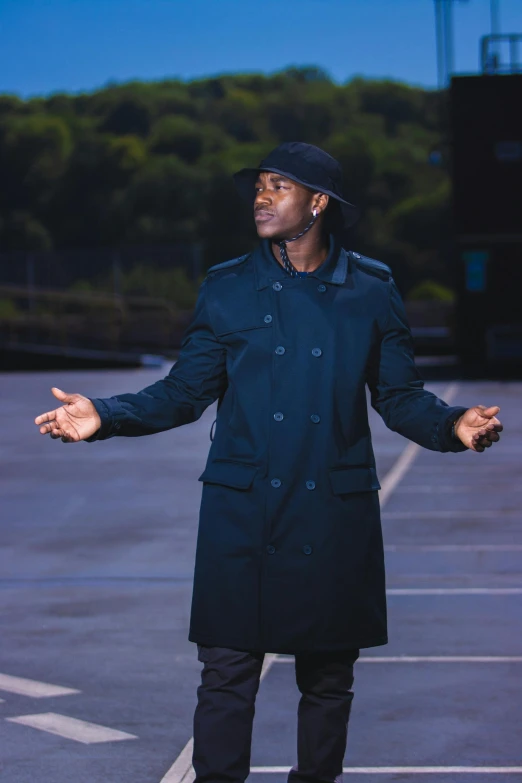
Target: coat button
[[278, 416], [316, 352], [307, 549], [315, 418], [277, 286], [270, 549], [276, 482], [267, 319], [280, 350], [321, 287], [310, 484]]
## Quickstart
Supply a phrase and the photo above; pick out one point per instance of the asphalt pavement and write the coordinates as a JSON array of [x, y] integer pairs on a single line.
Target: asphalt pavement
[[97, 540]]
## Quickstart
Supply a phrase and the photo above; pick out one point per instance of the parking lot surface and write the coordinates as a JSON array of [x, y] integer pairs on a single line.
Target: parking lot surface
[[97, 678]]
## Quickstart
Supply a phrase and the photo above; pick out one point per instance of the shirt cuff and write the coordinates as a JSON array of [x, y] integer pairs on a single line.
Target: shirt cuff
[[447, 441], [103, 411]]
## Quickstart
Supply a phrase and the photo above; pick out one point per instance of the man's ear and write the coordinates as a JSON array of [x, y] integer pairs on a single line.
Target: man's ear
[[320, 202]]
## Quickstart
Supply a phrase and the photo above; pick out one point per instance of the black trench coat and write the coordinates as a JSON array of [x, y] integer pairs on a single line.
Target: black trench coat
[[289, 551]]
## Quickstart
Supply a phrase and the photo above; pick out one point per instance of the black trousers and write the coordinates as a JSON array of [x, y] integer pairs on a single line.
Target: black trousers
[[224, 714]]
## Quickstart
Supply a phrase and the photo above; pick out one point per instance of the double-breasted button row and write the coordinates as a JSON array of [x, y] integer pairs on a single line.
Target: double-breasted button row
[[307, 549], [314, 417], [280, 350], [277, 287], [275, 482]]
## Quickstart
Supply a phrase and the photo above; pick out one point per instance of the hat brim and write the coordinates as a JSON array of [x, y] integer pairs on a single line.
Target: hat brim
[[245, 180]]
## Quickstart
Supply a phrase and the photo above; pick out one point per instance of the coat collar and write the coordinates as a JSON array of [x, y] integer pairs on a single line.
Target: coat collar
[[267, 269]]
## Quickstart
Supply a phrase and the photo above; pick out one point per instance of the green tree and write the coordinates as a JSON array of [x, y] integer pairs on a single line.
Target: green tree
[[34, 151], [21, 231], [164, 201], [146, 162], [177, 135]]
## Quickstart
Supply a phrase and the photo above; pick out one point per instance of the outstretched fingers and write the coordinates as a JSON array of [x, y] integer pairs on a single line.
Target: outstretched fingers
[[49, 427], [490, 414], [45, 417], [66, 437]]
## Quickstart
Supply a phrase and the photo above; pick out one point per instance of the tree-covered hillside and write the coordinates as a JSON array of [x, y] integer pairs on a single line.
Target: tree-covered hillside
[[151, 163]]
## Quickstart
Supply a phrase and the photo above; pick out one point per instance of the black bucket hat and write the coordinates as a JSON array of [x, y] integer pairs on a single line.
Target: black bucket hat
[[306, 164]]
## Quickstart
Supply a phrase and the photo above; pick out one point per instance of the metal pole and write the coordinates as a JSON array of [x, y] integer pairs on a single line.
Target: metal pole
[[448, 40], [513, 54], [116, 273], [495, 30], [30, 280], [439, 33], [495, 17]]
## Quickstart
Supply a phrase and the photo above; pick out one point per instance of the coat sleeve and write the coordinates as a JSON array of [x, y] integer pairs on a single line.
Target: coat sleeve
[[195, 381], [397, 390]]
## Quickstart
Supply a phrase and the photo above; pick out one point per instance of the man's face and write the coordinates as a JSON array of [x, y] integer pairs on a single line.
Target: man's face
[[282, 207]]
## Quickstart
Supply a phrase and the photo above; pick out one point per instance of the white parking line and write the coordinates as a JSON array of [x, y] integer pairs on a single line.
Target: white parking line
[[71, 728], [454, 591], [405, 460], [452, 489], [453, 548], [452, 514], [181, 766], [430, 659], [33, 688], [408, 770]]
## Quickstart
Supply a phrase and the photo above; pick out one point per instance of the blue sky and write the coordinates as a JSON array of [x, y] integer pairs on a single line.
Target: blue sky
[[50, 46]]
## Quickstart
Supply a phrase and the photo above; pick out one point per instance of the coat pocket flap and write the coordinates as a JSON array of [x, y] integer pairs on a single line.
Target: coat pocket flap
[[362, 478], [230, 474]]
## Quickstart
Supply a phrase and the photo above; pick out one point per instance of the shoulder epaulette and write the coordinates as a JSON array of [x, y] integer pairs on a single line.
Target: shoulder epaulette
[[226, 264], [372, 266]]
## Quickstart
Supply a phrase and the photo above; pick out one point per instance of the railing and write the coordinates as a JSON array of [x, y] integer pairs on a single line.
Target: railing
[[75, 302], [499, 53], [76, 321]]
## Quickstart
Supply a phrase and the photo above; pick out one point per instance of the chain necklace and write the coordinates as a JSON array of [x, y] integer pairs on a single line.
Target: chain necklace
[[289, 267]]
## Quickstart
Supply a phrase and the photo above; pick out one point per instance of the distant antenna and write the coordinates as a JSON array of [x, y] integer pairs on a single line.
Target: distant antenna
[[495, 17], [495, 30], [444, 37]]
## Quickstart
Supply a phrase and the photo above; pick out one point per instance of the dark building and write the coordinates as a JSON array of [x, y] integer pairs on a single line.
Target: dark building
[[486, 124]]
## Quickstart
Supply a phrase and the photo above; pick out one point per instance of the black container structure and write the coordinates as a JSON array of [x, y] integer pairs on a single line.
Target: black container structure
[[486, 125]]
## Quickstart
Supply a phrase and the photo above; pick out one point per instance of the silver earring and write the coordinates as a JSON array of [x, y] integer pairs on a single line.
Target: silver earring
[[315, 213]]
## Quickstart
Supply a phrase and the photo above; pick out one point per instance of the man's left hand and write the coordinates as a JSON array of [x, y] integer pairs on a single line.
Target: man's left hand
[[478, 428]]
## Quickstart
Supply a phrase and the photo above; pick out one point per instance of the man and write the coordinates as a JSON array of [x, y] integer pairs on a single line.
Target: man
[[289, 553]]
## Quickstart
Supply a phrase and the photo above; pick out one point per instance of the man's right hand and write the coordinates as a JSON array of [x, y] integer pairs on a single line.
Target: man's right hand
[[76, 420]]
